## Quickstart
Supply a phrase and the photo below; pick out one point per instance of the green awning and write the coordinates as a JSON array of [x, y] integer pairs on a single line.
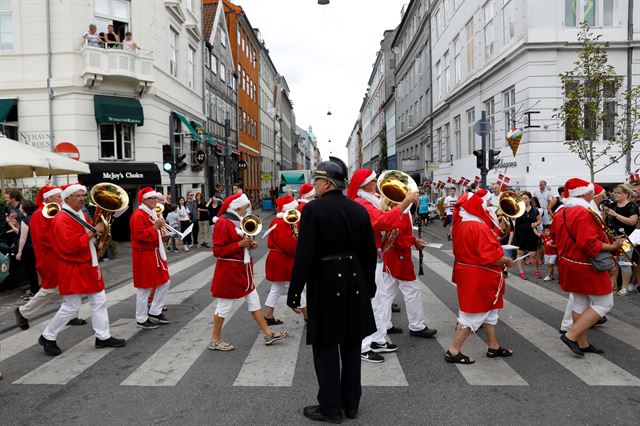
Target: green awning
[[212, 141], [110, 109], [5, 108], [188, 125], [197, 125]]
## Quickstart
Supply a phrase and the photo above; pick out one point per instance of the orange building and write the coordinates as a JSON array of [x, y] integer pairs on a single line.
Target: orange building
[[245, 47]]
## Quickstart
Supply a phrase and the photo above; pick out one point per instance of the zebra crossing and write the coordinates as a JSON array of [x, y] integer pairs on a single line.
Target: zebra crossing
[[184, 348]]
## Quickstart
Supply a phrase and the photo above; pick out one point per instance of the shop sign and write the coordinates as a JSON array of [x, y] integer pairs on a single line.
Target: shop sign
[[36, 139]]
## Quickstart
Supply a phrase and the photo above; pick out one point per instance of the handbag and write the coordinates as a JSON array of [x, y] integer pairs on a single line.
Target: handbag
[[603, 261], [4, 267]]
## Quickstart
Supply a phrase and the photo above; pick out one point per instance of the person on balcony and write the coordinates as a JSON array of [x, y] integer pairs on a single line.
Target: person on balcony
[[128, 42], [92, 38], [111, 38]]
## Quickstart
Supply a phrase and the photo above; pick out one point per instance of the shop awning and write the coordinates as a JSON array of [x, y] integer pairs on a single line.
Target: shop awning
[[122, 174], [188, 125], [111, 109], [5, 108], [209, 137]]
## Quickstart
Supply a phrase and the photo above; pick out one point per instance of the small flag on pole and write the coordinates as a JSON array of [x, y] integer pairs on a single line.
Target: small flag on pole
[[503, 181]]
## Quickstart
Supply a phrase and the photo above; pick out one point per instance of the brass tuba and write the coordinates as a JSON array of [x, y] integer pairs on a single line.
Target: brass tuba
[[510, 205], [108, 199], [49, 210], [292, 217], [393, 186], [251, 225]]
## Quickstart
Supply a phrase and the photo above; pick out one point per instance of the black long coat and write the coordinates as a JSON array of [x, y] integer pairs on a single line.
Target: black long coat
[[336, 260]]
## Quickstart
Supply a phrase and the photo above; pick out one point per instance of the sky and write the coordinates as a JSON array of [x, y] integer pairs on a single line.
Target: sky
[[326, 54]]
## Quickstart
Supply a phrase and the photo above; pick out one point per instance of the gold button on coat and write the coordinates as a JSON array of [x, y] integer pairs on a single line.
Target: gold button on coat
[[339, 275], [338, 294]]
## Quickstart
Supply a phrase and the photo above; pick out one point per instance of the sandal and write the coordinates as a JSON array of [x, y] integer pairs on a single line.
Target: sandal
[[522, 275], [220, 345], [537, 273], [273, 321], [460, 358], [500, 352], [592, 349], [268, 340]]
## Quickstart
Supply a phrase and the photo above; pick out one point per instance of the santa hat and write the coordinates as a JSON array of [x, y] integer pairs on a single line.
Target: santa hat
[[473, 204], [360, 178], [576, 187], [146, 193], [46, 192], [598, 190], [71, 189], [285, 203], [307, 191], [234, 202]]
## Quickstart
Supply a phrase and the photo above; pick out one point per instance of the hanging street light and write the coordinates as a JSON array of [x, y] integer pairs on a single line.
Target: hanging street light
[[323, 2]]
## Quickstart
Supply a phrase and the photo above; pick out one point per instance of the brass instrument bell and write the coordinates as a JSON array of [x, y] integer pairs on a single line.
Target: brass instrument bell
[[108, 199], [49, 210], [393, 186], [251, 225], [292, 217]]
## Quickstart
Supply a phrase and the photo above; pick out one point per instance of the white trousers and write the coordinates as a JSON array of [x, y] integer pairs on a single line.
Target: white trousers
[[69, 310], [601, 304], [412, 299], [277, 288], [567, 319], [42, 297], [223, 307], [378, 307], [475, 320], [142, 300]]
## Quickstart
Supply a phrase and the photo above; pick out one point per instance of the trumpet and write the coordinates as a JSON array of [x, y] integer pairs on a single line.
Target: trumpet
[[292, 217], [168, 230], [49, 210], [251, 225]]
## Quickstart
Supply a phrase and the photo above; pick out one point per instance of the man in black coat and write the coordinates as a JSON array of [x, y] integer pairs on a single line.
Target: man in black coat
[[336, 260]]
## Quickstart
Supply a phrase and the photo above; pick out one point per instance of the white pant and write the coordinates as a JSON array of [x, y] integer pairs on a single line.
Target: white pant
[[142, 300], [277, 288], [567, 319], [475, 320], [601, 304], [412, 300], [69, 310], [42, 297], [224, 306]]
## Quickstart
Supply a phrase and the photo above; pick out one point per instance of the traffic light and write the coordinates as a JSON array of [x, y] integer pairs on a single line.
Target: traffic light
[[167, 159], [180, 163], [479, 158], [493, 158]]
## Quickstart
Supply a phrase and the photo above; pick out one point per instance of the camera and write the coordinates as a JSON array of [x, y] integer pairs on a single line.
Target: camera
[[608, 203]]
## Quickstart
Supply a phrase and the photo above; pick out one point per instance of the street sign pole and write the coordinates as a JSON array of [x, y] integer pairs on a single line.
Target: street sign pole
[[227, 154], [172, 174], [483, 171]]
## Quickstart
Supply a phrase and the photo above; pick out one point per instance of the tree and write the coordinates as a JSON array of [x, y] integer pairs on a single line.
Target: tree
[[591, 108]]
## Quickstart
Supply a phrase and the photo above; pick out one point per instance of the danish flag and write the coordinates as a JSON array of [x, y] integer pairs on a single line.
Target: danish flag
[[440, 184], [451, 180], [477, 180], [503, 181], [464, 181], [634, 177]]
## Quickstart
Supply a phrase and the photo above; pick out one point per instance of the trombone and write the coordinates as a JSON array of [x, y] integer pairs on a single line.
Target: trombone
[[627, 245], [168, 230]]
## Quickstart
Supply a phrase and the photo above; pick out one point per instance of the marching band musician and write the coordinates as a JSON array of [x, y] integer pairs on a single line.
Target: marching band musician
[[362, 189], [233, 274], [306, 193], [40, 229], [78, 273], [579, 238], [282, 248], [477, 273], [150, 269]]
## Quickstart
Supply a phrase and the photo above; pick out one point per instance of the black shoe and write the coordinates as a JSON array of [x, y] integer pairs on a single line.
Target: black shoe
[[351, 413], [273, 321], [371, 356], [50, 346], [602, 320], [394, 330], [448, 237], [21, 321], [77, 321], [160, 319], [572, 344], [395, 307], [111, 342], [313, 412], [425, 332], [563, 331], [386, 347], [147, 325]]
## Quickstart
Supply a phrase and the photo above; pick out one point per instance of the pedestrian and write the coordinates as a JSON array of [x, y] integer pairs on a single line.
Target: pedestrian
[[173, 220], [78, 273], [579, 238], [423, 209], [477, 273], [167, 204], [550, 252], [203, 220], [194, 216], [524, 235], [306, 193], [544, 196], [233, 273], [13, 198], [25, 253], [213, 206], [184, 214], [449, 202], [336, 261]]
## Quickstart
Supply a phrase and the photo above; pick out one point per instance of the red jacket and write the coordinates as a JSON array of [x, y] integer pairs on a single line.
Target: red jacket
[[71, 242], [397, 260], [480, 283], [574, 270], [381, 221], [41, 230], [149, 270], [232, 278], [282, 249]]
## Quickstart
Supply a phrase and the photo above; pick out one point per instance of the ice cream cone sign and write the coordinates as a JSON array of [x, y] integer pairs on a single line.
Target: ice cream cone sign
[[513, 137]]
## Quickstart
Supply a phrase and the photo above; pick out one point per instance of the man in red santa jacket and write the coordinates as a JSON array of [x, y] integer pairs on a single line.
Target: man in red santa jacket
[[233, 273], [579, 238], [150, 269], [78, 273], [362, 189], [41, 231], [306, 193], [477, 273], [282, 249]]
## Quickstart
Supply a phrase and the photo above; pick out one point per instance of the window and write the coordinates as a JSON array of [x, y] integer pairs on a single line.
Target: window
[[436, 27], [471, 40], [117, 9], [594, 12], [438, 147], [173, 52], [207, 58], [192, 67], [488, 30], [471, 141], [116, 141], [6, 25], [457, 60], [439, 80], [508, 20], [509, 101], [489, 108], [223, 37], [447, 72], [610, 110], [207, 100], [609, 106], [223, 72], [190, 5], [240, 115], [214, 64], [457, 135], [446, 142]]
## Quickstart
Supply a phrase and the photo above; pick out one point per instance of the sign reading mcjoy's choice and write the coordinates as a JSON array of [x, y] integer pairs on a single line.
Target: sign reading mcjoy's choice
[[119, 175]]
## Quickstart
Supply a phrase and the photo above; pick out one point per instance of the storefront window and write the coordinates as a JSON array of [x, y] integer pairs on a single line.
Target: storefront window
[[116, 141]]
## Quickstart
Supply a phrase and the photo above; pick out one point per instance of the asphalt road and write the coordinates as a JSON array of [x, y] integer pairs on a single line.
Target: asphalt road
[[167, 375]]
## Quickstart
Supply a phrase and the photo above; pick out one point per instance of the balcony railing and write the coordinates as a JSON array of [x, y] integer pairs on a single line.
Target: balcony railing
[[116, 60]]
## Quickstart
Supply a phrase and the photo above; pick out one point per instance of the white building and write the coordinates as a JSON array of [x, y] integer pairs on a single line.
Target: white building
[[373, 115], [269, 125]]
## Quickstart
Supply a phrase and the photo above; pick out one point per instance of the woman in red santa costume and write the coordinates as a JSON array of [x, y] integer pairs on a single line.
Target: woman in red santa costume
[[579, 238], [362, 189], [307, 192], [78, 272], [150, 269], [41, 231], [233, 274], [477, 273], [282, 249]]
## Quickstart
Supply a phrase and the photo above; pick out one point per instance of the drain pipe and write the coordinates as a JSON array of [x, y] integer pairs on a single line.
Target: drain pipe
[[629, 85], [49, 75]]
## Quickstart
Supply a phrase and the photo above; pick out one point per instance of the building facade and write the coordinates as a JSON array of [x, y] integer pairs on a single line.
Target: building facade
[[268, 118], [287, 129], [373, 116]]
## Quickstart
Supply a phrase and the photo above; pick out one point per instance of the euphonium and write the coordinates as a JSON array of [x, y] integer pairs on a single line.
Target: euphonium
[[49, 210], [108, 199], [292, 217], [393, 186], [510, 205], [251, 225]]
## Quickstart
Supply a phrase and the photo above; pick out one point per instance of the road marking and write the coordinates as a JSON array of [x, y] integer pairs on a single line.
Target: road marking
[[274, 365], [594, 370], [170, 363], [25, 339], [388, 373]]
